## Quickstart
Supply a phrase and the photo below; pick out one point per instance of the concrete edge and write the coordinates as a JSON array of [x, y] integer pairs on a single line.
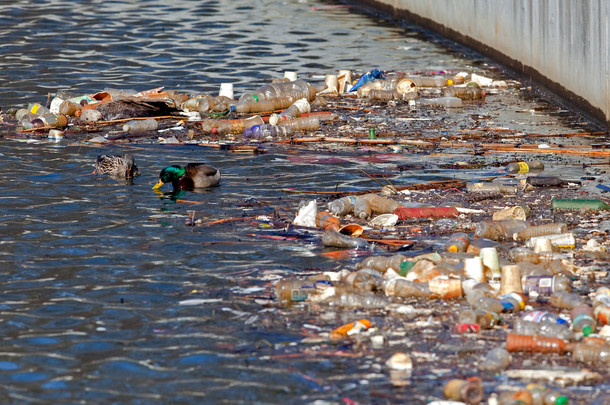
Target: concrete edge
[[578, 102]]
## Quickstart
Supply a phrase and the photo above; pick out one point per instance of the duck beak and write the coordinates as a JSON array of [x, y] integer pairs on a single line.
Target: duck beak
[[158, 185]]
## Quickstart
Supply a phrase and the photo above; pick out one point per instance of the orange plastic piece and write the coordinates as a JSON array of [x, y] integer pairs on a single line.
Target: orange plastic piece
[[343, 330]]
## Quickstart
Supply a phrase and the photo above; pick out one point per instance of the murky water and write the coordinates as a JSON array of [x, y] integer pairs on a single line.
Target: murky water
[[107, 296]]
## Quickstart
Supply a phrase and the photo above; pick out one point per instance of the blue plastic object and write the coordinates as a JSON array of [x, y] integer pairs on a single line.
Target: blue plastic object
[[603, 188], [367, 77]]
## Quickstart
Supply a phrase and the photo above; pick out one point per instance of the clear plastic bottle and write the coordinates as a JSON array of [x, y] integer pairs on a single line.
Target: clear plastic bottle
[[383, 95], [382, 263], [522, 254], [362, 208], [326, 220], [566, 300], [511, 302], [50, 121], [309, 123], [545, 181], [336, 239], [541, 230], [293, 290], [267, 130], [252, 106], [490, 188], [296, 89], [149, 124], [601, 305], [583, 319], [458, 242], [465, 93], [536, 343], [357, 300], [69, 108], [542, 395], [561, 240], [500, 230], [522, 397], [343, 205], [399, 287], [591, 354], [545, 284], [485, 319], [469, 391], [523, 167], [524, 327], [38, 109], [363, 280], [298, 108], [235, 126], [433, 81], [544, 317], [446, 102], [578, 204], [381, 205]]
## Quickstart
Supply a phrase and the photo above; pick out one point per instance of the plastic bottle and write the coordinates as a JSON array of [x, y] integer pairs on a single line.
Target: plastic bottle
[[497, 359], [333, 238], [499, 230], [542, 395], [544, 317], [583, 319], [383, 95], [482, 318], [545, 285], [565, 300], [479, 243], [522, 254], [446, 102], [511, 302], [469, 391], [539, 344], [381, 205], [293, 290], [267, 130], [425, 212], [490, 188], [343, 205], [349, 329], [38, 109], [50, 121], [541, 230], [561, 240], [434, 81], [381, 263], [235, 126], [326, 220], [149, 124], [298, 108], [465, 93], [601, 305], [252, 106], [309, 123], [578, 204], [399, 287], [68, 107], [367, 77], [545, 181], [591, 354], [522, 397], [524, 167], [363, 280], [296, 89], [357, 300], [458, 242], [362, 208]]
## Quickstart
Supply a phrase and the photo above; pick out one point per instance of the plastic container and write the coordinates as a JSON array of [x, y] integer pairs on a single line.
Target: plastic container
[[50, 121], [363, 280], [545, 181], [469, 391], [491, 261], [362, 208], [490, 188], [296, 89], [544, 317], [510, 280], [521, 254], [382, 263], [511, 303], [497, 359], [545, 284], [433, 81], [458, 242], [383, 95], [357, 300], [381, 205], [288, 291], [583, 319], [253, 106], [541, 230], [446, 102], [298, 108], [69, 108], [349, 329], [524, 167], [538, 344], [482, 318], [516, 212], [149, 124], [445, 287], [562, 240], [591, 354], [38, 109], [267, 130], [578, 204], [565, 300], [367, 77], [548, 329], [426, 212], [336, 239], [499, 230], [309, 123], [326, 220], [343, 205], [235, 126], [465, 93]]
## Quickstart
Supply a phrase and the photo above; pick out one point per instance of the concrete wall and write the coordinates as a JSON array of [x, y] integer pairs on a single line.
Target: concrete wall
[[562, 43]]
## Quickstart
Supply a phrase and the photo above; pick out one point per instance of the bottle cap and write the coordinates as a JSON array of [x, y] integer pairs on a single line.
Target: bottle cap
[[405, 267], [562, 400], [587, 330]]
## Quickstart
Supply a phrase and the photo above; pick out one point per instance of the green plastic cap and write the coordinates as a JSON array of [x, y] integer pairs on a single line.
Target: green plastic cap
[[405, 267], [562, 400], [587, 330]]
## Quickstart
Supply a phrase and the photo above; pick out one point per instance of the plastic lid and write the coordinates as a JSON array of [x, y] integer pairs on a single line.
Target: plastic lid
[[405, 267], [562, 400], [587, 330]]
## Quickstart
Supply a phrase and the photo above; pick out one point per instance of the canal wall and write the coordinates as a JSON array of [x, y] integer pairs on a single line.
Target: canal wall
[[562, 44]]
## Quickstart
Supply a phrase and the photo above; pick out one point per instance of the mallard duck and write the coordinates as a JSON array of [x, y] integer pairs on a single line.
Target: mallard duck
[[193, 175], [116, 165], [121, 109]]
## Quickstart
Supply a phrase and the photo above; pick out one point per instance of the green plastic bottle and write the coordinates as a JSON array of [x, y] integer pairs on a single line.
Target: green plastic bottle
[[578, 204]]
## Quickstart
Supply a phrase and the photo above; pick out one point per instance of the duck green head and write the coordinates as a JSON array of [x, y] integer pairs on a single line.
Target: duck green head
[[169, 175]]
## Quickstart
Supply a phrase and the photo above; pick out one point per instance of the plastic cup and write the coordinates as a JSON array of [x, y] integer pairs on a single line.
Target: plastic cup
[[226, 90], [344, 80], [543, 245], [292, 76], [473, 268], [332, 85], [490, 258], [511, 280], [510, 213]]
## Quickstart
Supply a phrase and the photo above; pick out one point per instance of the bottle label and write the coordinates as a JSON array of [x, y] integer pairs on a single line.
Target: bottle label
[[539, 284], [35, 108], [523, 167]]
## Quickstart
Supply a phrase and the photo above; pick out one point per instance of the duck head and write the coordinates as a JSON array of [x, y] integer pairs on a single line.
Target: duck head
[[171, 174]]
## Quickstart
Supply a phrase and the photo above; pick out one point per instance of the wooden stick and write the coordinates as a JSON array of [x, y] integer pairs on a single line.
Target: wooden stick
[[221, 221]]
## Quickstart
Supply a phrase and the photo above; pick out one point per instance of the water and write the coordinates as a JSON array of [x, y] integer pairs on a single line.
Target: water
[[107, 296]]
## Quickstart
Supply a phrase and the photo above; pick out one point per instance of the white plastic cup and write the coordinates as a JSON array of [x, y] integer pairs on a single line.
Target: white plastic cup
[[473, 268], [511, 280], [226, 90], [292, 76], [332, 84], [489, 256], [543, 245], [344, 80]]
